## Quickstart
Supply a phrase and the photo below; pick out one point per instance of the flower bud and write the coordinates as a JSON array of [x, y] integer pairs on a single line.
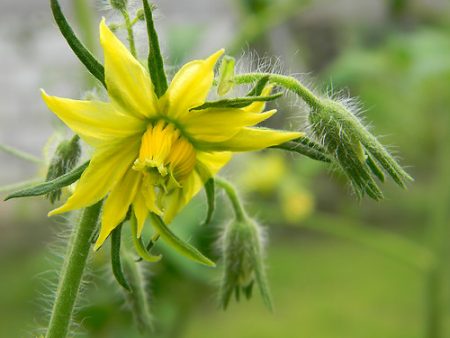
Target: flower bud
[[242, 253], [355, 150], [226, 75], [140, 14], [64, 160], [119, 4]]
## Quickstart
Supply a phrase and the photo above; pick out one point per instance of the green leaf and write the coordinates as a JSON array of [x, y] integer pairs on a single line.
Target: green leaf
[[115, 257], [155, 59], [177, 243], [139, 245], [259, 87], [211, 198], [47, 187], [238, 102], [83, 54]]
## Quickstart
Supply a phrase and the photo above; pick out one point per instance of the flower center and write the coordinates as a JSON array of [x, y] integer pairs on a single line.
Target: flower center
[[165, 155]]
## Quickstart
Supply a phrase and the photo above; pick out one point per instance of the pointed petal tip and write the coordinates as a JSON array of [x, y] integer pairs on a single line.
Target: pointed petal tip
[[212, 59]]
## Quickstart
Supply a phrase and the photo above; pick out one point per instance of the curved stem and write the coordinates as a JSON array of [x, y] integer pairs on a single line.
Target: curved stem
[[287, 82], [129, 27], [72, 273], [20, 154], [232, 194]]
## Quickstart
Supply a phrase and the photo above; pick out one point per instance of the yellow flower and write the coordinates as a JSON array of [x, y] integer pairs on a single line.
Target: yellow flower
[[153, 153]]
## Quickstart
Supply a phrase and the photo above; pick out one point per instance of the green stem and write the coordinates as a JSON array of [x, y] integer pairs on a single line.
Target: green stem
[[137, 298], [72, 273], [20, 154], [129, 27], [287, 82], [233, 197], [83, 15]]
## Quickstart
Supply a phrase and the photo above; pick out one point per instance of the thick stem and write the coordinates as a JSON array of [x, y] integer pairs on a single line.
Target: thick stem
[[72, 273], [233, 197], [287, 82]]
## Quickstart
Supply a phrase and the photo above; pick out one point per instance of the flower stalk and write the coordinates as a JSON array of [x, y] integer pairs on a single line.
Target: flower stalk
[[72, 273]]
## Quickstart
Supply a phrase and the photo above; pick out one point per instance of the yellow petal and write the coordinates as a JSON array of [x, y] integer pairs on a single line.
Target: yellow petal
[[141, 212], [249, 139], [174, 202], [117, 204], [259, 106], [127, 81], [177, 199], [217, 125], [190, 85], [96, 122], [107, 167], [213, 161]]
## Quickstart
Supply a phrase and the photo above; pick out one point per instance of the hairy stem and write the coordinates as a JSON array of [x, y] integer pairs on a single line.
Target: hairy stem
[[137, 297], [233, 197], [284, 81], [72, 273], [129, 26]]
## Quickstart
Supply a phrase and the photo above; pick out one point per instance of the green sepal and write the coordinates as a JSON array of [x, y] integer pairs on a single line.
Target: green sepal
[[47, 187], [211, 199], [178, 244], [259, 86], [83, 54], [306, 147], [238, 102], [376, 170], [155, 59], [116, 263], [139, 245]]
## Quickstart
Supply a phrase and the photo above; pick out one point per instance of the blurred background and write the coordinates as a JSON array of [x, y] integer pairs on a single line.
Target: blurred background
[[337, 267]]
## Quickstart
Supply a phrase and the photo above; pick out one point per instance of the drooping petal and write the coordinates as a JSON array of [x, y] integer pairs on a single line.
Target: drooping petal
[[249, 139], [217, 125], [212, 162], [127, 82], [95, 122], [107, 167], [141, 212], [190, 86], [117, 204]]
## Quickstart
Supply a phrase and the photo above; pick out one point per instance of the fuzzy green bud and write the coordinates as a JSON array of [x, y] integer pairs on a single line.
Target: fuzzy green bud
[[226, 75], [119, 4], [355, 150], [140, 14], [243, 259], [64, 160]]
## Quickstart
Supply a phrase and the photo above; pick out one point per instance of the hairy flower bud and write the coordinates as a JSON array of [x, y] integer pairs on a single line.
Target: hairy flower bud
[[226, 74], [355, 150], [242, 252], [64, 160], [119, 4]]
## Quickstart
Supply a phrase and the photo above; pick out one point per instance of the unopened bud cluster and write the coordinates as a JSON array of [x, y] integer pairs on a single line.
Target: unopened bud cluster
[[242, 253], [119, 4], [64, 160], [355, 150]]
